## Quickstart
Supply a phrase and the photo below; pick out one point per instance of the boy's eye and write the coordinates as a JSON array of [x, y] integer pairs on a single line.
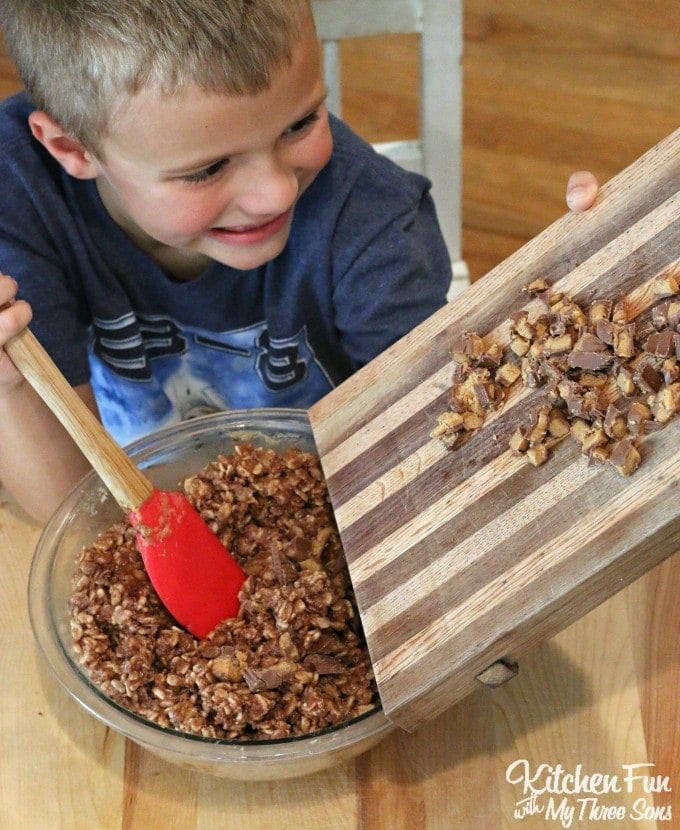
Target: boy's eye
[[205, 174], [300, 125]]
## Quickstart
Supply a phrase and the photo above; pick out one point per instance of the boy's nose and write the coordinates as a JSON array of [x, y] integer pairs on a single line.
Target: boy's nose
[[267, 187]]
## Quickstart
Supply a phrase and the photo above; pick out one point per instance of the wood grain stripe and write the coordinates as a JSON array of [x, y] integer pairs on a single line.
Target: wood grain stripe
[[439, 583], [426, 470], [455, 555], [558, 496], [433, 484], [381, 383], [602, 531], [401, 425], [409, 470]]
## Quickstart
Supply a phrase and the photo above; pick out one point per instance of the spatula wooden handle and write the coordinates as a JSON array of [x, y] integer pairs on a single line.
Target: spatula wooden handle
[[127, 484]]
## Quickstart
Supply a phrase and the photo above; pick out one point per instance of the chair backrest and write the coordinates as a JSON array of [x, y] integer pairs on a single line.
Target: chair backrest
[[437, 151]]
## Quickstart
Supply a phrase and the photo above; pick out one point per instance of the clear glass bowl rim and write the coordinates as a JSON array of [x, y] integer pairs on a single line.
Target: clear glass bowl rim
[[65, 668]]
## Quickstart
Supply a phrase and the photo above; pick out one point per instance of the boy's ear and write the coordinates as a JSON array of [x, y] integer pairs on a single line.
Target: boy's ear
[[69, 152]]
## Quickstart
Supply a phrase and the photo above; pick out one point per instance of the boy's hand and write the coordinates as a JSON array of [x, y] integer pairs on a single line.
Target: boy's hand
[[14, 317], [39, 463], [582, 189]]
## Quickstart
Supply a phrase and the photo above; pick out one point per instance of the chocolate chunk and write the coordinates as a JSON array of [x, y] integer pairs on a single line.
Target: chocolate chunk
[[550, 370], [470, 344], [577, 406], [558, 345], [607, 386], [507, 374], [605, 331], [600, 404], [589, 342], [590, 353], [284, 570], [643, 328], [492, 357], [590, 361], [482, 395], [674, 313], [600, 310], [667, 403], [323, 664], [625, 456], [637, 415], [660, 344], [558, 326], [620, 311], [536, 286], [271, 677], [327, 644], [624, 340], [625, 382], [660, 315], [670, 369], [647, 378], [615, 424]]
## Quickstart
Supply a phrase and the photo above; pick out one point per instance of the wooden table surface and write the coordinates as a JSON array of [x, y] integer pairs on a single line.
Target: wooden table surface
[[599, 699]]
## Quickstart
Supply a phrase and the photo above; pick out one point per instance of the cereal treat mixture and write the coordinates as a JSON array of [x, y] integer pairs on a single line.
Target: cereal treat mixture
[[609, 378], [294, 660]]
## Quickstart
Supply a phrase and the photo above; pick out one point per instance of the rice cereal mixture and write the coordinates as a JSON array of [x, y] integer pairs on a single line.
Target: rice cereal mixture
[[292, 662]]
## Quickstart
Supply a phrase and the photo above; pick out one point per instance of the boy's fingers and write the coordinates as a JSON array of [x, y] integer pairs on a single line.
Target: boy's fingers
[[15, 314], [8, 288], [17, 321], [582, 189]]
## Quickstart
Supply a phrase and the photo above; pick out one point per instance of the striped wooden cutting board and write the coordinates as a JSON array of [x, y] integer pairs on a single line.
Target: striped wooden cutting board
[[463, 558]]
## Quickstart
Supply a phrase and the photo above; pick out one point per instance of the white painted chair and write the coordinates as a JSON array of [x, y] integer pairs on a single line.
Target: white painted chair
[[437, 152]]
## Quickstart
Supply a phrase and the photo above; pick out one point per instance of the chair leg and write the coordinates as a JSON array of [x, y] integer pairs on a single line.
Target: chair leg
[[460, 279]]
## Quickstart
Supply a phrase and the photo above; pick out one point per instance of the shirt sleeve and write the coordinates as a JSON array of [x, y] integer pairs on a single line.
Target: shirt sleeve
[[392, 265], [30, 253]]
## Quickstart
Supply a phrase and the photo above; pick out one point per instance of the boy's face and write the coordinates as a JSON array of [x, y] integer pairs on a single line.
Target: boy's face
[[206, 175]]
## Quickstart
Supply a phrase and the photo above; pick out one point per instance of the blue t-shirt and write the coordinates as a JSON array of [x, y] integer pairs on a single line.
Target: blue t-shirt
[[364, 264]]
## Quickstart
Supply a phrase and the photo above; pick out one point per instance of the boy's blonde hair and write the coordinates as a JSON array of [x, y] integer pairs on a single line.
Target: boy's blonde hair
[[81, 59]]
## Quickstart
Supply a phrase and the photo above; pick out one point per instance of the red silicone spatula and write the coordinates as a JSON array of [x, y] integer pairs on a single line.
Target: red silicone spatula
[[194, 575]]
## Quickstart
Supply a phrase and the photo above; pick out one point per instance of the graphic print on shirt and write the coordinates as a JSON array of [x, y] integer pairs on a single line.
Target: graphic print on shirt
[[148, 372]]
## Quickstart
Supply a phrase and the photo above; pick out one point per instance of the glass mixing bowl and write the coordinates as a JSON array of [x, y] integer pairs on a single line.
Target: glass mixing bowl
[[168, 456]]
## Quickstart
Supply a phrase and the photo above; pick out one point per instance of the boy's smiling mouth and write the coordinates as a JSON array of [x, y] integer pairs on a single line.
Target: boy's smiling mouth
[[251, 234]]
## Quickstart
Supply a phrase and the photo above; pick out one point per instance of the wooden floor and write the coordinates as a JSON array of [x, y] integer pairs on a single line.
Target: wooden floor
[[549, 87]]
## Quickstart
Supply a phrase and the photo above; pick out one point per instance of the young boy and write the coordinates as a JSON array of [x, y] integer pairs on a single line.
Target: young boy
[[186, 228]]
